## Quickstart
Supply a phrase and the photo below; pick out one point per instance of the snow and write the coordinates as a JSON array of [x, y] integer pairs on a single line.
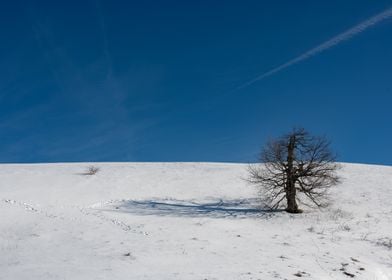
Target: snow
[[186, 221]]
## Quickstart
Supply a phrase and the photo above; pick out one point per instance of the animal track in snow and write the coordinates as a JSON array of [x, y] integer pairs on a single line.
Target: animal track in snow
[[30, 208], [116, 222]]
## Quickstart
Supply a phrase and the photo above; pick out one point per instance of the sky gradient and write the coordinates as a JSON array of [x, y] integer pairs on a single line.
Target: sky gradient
[[164, 80]]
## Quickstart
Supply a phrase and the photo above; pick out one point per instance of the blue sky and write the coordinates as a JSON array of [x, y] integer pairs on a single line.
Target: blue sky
[[158, 80]]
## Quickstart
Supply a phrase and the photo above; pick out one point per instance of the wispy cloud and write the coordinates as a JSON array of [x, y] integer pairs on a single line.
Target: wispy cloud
[[346, 35], [105, 47]]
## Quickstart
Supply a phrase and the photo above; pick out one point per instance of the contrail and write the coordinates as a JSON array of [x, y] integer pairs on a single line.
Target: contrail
[[348, 34]]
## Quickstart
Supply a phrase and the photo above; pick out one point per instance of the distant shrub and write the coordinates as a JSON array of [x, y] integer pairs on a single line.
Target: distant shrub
[[91, 170]]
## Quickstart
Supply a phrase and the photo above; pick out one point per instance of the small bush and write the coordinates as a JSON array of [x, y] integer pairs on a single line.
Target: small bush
[[92, 170]]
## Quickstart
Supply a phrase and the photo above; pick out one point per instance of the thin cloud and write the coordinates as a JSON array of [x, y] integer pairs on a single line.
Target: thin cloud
[[348, 34], [105, 47]]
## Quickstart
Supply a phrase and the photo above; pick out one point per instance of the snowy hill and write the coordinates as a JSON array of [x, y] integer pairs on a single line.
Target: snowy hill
[[186, 221]]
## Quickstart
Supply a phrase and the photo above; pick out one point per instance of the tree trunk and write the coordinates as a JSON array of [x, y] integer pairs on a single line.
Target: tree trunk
[[292, 206]]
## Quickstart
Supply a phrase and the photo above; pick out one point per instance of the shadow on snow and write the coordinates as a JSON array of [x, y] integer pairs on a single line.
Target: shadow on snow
[[241, 208]]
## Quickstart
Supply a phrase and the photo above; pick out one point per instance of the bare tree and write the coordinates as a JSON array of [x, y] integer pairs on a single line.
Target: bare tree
[[297, 168]]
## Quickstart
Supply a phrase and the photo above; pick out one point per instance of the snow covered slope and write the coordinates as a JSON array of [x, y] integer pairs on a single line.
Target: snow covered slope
[[186, 221]]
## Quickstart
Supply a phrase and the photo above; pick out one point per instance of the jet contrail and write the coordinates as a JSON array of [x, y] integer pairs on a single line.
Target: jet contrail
[[359, 28]]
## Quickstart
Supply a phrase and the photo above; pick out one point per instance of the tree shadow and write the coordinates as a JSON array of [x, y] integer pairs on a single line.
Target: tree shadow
[[239, 208]]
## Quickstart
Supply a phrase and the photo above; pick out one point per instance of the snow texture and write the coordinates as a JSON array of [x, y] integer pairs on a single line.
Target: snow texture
[[186, 221]]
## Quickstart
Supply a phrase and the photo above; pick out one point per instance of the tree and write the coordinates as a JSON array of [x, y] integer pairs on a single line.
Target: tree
[[297, 168]]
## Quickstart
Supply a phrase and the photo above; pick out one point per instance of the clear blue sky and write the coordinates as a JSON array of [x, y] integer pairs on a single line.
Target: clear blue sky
[[156, 80]]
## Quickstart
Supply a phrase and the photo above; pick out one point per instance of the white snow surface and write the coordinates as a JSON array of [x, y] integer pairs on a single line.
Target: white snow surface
[[186, 221]]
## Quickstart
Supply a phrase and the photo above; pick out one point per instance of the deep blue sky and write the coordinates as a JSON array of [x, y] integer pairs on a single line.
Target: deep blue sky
[[154, 80]]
